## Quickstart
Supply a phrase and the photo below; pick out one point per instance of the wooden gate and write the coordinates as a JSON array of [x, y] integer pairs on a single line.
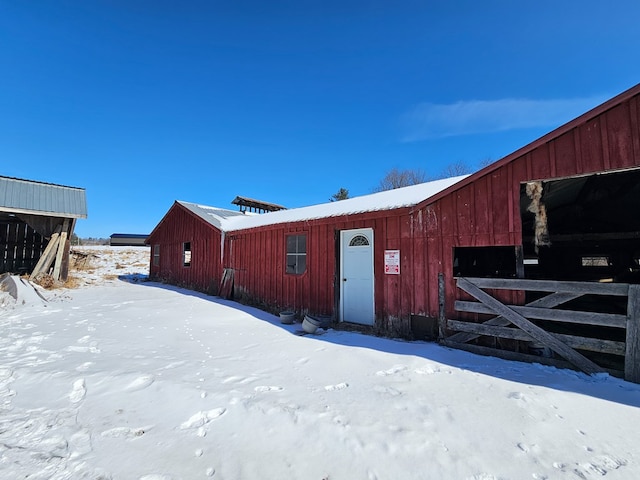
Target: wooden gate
[[520, 323]]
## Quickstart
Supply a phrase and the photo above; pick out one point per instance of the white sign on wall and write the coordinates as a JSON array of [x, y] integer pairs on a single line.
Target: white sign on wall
[[392, 262]]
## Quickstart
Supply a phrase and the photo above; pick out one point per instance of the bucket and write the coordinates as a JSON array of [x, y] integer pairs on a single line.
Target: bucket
[[287, 317], [310, 324]]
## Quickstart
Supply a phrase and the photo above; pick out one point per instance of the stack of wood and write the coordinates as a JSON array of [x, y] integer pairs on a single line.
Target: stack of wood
[[52, 258]]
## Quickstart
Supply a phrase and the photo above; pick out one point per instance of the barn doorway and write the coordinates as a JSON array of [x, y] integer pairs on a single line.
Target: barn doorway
[[582, 228], [356, 276]]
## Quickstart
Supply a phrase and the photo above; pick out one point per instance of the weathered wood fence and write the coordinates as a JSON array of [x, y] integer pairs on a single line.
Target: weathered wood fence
[[20, 246], [518, 322]]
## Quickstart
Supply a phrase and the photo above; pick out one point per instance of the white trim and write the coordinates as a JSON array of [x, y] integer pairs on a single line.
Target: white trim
[[344, 234]]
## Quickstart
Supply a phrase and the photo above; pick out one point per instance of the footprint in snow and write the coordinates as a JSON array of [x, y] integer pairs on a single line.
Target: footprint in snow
[[518, 396], [202, 418], [531, 448], [125, 432], [55, 446], [80, 443], [140, 383], [339, 386], [599, 465], [427, 370], [265, 388], [391, 371], [78, 391]]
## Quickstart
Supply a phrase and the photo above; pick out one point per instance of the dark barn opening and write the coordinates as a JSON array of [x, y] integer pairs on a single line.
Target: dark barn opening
[[592, 229], [488, 262]]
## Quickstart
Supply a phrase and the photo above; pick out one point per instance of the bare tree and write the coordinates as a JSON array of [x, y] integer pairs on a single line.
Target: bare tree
[[455, 169], [341, 194], [395, 178]]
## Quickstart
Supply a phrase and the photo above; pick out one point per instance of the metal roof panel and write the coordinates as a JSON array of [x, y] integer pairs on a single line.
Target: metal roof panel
[[29, 196]]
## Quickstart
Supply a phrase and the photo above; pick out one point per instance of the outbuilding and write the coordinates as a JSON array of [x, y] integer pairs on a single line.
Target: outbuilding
[[37, 220], [187, 246], [536, 256], [128, 239]]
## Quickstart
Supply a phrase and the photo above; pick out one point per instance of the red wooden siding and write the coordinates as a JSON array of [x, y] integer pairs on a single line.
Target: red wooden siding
[[177, 227], [259, 256], [486, 210]]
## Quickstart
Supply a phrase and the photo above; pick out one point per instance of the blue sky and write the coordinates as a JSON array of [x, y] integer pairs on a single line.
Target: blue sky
[[147, 102]]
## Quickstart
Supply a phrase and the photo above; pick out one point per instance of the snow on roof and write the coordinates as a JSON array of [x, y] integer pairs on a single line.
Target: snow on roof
[[215, 216], [387, 200]]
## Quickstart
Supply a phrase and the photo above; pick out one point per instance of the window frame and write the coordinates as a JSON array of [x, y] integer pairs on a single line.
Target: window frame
[[187, 256], [156, 255], [297, 253]]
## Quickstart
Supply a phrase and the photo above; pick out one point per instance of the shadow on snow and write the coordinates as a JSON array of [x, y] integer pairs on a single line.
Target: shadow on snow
[[601, 386]]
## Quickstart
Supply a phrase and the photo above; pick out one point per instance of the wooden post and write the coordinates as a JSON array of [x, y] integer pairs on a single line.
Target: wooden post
[[226, 284], [62, 247], [47, 256], [442, 315], [632, 354], [64, 269]]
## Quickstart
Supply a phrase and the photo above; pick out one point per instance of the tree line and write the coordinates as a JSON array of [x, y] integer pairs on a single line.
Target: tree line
[[396, 178]]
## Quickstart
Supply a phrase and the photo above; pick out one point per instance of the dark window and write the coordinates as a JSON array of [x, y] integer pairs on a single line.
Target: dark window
[[296, 254], [186, 254], [359, 241], [497, 262], [156, 255]]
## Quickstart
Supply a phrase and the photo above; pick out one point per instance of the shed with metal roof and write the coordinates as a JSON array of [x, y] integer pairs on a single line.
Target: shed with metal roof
[[128, 239], [37, 220]]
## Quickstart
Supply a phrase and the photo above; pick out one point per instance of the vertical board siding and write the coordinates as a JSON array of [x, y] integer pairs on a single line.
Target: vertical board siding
[[634, 118], [540, 162], [620, 136], [565, 155], [179, 226], [264, 277], [20, 247], [481, 210]]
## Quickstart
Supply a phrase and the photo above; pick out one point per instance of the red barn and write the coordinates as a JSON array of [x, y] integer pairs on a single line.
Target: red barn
[[186, 246], [562, 209]]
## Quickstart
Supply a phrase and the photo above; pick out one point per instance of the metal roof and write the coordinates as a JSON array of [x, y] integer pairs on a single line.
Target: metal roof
[[129, 235], [214, 216], [39, 198]]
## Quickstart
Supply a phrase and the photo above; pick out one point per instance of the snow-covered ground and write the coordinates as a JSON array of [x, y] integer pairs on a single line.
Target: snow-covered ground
[[126, 379]]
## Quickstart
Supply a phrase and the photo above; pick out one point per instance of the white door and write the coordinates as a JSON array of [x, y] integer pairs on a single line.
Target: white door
[[356, 276]]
